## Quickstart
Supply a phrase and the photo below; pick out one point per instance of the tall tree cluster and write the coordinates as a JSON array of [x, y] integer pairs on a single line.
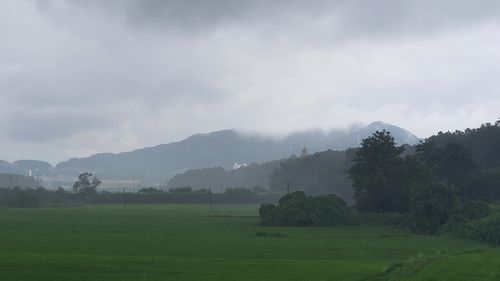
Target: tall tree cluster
[[378, 175]]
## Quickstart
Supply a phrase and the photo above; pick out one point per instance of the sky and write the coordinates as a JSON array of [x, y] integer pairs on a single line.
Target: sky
[[82, 77]]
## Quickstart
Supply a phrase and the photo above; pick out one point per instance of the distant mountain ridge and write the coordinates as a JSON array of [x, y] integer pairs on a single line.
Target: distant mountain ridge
[[23, 167], [217, 149]]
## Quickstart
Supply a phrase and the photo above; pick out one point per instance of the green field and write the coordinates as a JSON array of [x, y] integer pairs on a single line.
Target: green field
[[192, 242]]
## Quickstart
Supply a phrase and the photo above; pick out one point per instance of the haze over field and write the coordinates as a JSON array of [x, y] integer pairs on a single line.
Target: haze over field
[[83, 77]]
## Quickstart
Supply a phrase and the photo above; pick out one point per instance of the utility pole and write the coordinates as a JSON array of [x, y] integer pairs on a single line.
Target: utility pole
[[287, 187], [37, 178], [124, 201], [210, 197], [133, 183]]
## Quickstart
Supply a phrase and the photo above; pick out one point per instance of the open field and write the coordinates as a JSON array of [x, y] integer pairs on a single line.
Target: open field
[[192, 242]]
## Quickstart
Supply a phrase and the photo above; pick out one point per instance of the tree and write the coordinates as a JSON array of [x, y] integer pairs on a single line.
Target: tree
[[25, 199], [450, 162], [86, 184], [378, 175], [432, 205], [483, 185]]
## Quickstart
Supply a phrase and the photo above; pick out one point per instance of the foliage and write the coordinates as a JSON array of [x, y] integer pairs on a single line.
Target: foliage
[[432, 205], [449, 162], [382, 219], [474, 210], [481, 143], [457, 225], [486, 231], [220, 178], [25, 199], [242, 195], [265, 211], [60, 197], [317, 174], [150, 190], [265, 234], [378, 175], [297, 209], [483, 185], [86, 184], [185, 189]]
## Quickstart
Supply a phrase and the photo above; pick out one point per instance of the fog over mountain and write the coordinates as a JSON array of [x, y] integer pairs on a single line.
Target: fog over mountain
[[226, 148]]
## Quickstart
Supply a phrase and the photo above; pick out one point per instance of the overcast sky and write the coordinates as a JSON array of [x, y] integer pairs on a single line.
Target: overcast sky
[[80, 77]]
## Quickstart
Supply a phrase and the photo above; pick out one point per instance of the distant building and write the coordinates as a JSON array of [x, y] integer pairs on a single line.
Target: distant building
[[13, 180], [304, 152], [238, 165]]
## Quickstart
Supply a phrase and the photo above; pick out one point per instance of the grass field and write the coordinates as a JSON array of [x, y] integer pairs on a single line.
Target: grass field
[[192, 242]]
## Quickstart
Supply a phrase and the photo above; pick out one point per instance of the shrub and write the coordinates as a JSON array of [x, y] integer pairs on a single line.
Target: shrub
[[432, 205], [150, 190], [265, 211], [457, 225], [486, 231], [260, 234], [297, 209], [25, 199], [276, 235], [185, 189], [475, 210]]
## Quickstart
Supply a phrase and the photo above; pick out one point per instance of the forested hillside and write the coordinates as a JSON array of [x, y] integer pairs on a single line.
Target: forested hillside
[[218, 179]]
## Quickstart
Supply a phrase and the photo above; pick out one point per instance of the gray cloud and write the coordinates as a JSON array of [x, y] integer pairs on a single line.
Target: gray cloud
[[52, 125], [79, 77], [343, 18]]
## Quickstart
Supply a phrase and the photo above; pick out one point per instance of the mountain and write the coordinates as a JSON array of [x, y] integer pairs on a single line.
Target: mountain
[[219, 149], [23, 167]]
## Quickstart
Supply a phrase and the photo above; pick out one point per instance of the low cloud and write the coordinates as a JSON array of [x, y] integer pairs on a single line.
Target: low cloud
[[79, 77]]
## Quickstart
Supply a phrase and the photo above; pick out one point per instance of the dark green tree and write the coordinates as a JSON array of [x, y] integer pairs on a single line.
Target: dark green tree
[[25, 199], [450, 162], [378, 175], [483, 185], [86, 184], [432, 205], [298, 209]]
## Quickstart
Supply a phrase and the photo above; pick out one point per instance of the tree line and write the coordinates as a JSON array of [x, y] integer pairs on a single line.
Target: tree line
[[443, 184], [85, 191]]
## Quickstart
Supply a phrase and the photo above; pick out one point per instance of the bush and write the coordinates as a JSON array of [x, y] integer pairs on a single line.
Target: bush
[[185, 189], [265, 234], [297, 209], [265, 210], [457, 225], [150, 190], [25, 199], [432, 205], [475, 210], [461, 224], [486, 231]]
